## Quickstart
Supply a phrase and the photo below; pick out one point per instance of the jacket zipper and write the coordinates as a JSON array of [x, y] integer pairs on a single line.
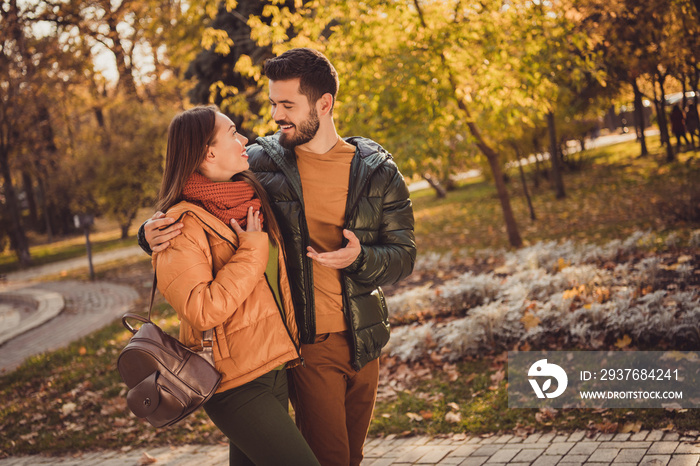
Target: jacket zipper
[[289, 333], [292, 176], [284, 322], [348, 212]]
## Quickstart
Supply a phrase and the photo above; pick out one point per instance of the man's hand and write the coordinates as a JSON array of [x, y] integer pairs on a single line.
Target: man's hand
[[157, 232], [342, 257]]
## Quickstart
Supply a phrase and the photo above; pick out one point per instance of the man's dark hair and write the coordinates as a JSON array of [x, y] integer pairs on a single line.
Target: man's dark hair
[[316, 74]]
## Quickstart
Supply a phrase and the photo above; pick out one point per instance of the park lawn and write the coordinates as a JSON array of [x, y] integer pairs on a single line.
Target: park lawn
[[73, 400], [104, 236], [613, 194]]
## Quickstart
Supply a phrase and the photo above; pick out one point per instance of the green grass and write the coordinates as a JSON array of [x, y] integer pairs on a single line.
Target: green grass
[[73, 399], [615, 194], [46, 254], [104, 236], [482, 405]]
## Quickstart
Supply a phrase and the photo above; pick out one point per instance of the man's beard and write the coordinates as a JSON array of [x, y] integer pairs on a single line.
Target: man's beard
[[304, 133]]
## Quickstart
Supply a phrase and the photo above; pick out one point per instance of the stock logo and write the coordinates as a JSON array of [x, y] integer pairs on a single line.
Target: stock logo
[[542, 368]]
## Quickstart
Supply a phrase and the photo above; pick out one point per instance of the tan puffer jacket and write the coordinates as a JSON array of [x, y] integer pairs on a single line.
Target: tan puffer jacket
[[214, 279]]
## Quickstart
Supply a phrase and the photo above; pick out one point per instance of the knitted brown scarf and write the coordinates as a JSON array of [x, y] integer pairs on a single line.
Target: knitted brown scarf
[[225, 200]]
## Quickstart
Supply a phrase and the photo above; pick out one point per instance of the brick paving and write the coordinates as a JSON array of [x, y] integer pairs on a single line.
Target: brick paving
[[647, 448]]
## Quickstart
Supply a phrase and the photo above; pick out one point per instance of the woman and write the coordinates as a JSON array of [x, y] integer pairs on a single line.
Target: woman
[[225, 272]]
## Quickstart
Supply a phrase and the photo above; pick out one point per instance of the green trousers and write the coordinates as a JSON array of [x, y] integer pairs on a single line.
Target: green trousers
[[255, 418]]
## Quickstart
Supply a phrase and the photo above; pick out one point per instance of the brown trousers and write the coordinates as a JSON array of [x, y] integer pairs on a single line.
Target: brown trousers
[[333, 403]]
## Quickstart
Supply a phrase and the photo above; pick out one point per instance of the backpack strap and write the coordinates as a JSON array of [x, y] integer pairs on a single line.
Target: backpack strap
[[207, 335]]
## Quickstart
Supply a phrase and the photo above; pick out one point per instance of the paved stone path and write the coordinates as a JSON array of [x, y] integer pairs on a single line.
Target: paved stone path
[[89, 306], [645, 448]]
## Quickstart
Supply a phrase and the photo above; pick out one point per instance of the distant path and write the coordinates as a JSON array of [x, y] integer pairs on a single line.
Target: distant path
[[600, 141], [56, 268]]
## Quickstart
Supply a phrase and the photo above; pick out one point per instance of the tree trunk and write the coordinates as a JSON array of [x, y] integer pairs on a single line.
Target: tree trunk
[[554, 158], [511, 226], [533, 217], [434, 183], [536, 146], [45, 209], [19, 239], [639, 118], [124, 68], [663, 124], [125, 230], [28, 186], [695, 80], [491, 155]]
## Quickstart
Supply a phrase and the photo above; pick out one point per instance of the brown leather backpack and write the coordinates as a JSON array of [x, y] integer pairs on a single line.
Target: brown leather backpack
[[167, 381]]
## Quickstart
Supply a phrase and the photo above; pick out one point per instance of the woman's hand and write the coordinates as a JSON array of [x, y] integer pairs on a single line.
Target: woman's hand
[[253, 222]]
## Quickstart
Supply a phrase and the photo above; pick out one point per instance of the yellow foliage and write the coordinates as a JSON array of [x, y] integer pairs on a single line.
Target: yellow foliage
[[529, 320], [623, 342], [217, 38], [562, 264], [575, 292]]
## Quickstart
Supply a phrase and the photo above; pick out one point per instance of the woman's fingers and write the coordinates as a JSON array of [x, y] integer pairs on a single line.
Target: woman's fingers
[[236, 227], [257, 221], [252, 222]]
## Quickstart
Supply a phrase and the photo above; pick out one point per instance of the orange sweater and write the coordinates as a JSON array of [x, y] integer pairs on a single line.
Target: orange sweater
[[324, 181]]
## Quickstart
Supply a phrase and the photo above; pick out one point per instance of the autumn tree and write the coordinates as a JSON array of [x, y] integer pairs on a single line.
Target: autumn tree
[[118, 149], [645, 44], [30, 81], [227, 71]]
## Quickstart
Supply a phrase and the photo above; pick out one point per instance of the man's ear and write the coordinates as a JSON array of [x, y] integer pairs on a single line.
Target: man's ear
[[325, 104]]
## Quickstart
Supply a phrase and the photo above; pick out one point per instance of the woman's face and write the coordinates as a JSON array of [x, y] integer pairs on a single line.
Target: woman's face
[[226, 155]]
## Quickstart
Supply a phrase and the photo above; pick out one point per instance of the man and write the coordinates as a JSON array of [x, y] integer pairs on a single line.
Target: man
[[347, 222]]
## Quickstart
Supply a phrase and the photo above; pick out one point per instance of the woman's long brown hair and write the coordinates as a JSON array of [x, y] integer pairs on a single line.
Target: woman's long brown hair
[[188, 136]]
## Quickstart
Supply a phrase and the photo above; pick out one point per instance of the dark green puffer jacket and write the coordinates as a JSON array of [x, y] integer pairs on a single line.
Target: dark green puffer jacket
[[378, 212]]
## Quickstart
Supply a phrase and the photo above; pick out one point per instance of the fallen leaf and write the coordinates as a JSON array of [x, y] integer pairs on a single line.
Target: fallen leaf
[[545, 415], [453, 405], [146, 459], [629, 427], [453, 417], [68, 408], [498, 376], [529, 320], [606, 427], [414, 417], [623, 342]]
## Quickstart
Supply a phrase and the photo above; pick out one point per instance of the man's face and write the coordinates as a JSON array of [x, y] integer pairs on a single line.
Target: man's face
[[291, 110]]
